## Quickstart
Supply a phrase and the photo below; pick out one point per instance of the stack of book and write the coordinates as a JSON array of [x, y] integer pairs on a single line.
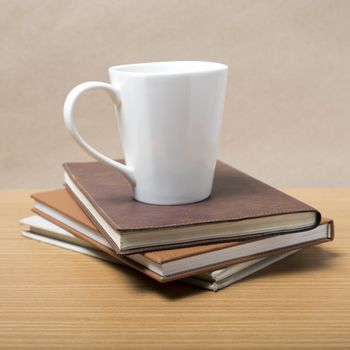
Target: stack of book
[[243, 227]]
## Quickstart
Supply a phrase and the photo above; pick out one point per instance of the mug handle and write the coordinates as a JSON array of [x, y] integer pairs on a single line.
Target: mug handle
[[68, 112]]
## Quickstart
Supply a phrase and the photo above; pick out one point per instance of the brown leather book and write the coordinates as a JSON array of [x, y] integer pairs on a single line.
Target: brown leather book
[[240, 207], [58, 207]]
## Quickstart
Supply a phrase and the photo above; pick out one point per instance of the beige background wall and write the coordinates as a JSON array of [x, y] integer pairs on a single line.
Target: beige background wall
[[287, 113]]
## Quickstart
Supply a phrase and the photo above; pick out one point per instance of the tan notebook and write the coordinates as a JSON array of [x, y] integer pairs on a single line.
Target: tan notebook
[[58, 207], [239, 207]]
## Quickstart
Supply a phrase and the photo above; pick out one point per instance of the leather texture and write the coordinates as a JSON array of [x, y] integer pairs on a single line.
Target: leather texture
[[235, 196]]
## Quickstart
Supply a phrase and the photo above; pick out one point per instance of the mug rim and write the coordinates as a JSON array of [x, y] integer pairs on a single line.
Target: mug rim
[[168, 68]]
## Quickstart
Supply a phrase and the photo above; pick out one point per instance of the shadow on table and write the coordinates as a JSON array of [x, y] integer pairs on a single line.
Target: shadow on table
[[309, 259], [314, 258], [144, 284]]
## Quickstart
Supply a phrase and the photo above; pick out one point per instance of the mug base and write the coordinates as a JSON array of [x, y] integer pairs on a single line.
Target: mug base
[[171, 202]]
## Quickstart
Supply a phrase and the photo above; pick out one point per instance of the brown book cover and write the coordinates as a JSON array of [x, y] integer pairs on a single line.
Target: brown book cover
[[236, 197], [61, 201]]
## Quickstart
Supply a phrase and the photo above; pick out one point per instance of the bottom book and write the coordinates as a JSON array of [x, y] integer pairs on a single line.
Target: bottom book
[[213, 280]]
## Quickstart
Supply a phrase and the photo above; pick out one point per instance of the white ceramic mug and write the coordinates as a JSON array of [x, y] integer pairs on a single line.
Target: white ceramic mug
[[169, 117]]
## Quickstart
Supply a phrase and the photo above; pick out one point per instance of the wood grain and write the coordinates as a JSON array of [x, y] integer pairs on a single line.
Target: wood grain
[[52, 298]]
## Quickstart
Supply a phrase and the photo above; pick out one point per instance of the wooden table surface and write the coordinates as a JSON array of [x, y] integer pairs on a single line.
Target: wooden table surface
[[53, 298]]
